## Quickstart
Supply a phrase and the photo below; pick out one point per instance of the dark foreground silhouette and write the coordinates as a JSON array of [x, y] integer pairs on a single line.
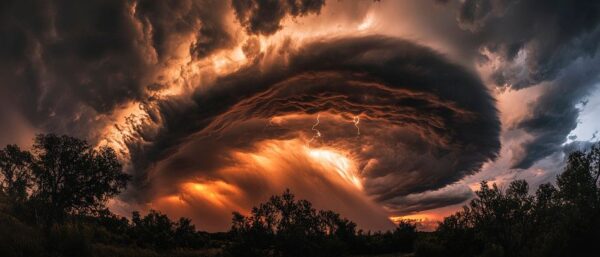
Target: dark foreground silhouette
[[52, 203]]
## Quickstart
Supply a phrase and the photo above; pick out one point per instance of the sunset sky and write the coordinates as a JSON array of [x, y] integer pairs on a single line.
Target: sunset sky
[[378, 110]]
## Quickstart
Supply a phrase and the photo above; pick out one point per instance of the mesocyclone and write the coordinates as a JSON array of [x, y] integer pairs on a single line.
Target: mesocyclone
[[394, 119]]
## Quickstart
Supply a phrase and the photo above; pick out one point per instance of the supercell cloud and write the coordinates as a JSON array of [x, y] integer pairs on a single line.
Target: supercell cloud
[[361, 107], [422, 122]]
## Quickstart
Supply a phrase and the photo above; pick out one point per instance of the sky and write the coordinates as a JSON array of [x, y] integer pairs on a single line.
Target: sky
[[379, 110]]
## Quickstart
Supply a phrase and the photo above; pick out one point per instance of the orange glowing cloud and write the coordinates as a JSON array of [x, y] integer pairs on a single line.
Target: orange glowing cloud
[[270, 168]]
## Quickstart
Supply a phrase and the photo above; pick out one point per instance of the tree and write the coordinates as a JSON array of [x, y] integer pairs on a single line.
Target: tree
[[153, 230], [577, 184], [555, 221], [594, 157], [578, 195], [15, 173], [157, 231], [405, 236], [185, 234], [284, 226], [72, 177]]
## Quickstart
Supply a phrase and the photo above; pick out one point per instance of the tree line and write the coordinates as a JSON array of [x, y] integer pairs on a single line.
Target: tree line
[[556, 220], [53, 203], [284, 226]]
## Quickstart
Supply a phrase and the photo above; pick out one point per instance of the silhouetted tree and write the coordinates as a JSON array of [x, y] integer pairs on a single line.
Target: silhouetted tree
[[340, 228], [157, 231], [186, 236], [15, 173], [72, 177], [405, 236], [579, 196], [153, 230], [284, 226]]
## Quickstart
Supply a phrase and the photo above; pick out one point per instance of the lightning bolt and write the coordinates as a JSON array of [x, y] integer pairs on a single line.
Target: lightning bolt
[[317, 132], [356, 120]]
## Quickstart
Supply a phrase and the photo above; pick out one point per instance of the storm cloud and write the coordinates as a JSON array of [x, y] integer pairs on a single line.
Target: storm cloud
[[424, 122], [264, 17], [65, 66], [553, 44]]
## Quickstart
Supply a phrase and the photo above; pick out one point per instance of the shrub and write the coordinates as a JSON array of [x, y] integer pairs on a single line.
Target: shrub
[[18, 239], [69, 239]]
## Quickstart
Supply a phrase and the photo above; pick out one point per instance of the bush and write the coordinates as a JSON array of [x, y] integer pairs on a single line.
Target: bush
[[102, 250], [18, 239], [429, 249], [69, 240]]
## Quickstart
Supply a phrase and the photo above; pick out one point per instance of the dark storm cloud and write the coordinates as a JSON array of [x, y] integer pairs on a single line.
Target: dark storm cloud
[[65, 63], [170, 19], [450, 195], [555, 113], [553, 33], [552, 43], [57, 57], [574, 146], [426, 122], [264, 16]]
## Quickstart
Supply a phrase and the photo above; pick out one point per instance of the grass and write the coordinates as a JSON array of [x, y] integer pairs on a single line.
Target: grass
[[387, 255], [101, 250]]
